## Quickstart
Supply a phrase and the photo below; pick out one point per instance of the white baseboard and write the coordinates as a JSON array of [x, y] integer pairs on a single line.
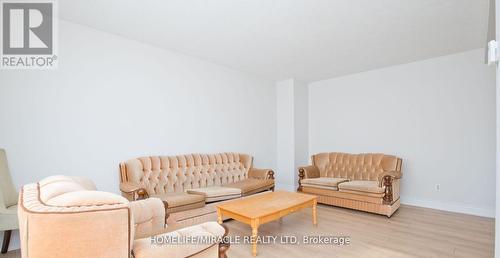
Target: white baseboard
[[453, 207]]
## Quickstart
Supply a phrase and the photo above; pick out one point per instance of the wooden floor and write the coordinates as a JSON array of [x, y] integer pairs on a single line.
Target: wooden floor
[[410, 232]]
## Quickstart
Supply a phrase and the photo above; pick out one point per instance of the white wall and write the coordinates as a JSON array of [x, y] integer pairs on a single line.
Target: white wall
[[437, 114], [285, 140], [292, 132], [113, 99], [301, 128]]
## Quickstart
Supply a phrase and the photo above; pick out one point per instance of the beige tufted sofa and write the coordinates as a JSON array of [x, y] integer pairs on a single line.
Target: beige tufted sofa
[[188, 182], [368, 182], [64, 216]]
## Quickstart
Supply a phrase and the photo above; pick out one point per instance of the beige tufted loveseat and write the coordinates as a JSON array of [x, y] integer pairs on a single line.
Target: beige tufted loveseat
[[368, 182], [63, 216], [188, 182]]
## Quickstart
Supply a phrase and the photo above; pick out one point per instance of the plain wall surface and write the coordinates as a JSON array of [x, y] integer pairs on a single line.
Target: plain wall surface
[[438, 115], [285, 140], [292, 135], [113, 99]]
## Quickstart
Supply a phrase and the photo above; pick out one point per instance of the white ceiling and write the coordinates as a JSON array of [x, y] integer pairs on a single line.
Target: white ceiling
[[304, 39]]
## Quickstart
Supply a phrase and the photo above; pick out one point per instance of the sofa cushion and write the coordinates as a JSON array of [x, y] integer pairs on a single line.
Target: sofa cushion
[[370, 188], [181, 201], [323, 182], [251, 185], [216, 193]]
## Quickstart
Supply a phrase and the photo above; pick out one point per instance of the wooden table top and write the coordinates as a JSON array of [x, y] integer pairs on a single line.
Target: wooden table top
[[266, 203]]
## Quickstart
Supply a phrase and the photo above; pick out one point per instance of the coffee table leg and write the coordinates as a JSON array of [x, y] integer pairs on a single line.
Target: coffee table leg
[[219, 216], [255, 232], [315, 220]]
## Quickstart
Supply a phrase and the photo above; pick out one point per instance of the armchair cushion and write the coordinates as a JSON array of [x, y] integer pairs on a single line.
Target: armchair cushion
[[328, 182], [159, 246], [53, 186], [86, 198], [181, 201], [216, 193], [370, 188], [251, 185]]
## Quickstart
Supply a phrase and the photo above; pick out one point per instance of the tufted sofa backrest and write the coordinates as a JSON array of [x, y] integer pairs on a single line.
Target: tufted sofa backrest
[[366, 166], [162, 174]]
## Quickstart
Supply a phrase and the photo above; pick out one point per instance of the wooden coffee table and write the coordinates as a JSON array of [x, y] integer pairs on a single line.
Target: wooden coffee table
[[262, 208]]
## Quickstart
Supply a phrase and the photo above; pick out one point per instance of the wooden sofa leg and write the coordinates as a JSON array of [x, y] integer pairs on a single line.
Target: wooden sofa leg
[[272, 188], [224, 246], [6, 240]]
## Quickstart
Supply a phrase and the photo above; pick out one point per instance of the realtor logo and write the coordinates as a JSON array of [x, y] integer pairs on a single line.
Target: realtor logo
[[28, 33]]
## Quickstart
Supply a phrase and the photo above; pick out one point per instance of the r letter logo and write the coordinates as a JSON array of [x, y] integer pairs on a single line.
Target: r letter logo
[[28, 35]]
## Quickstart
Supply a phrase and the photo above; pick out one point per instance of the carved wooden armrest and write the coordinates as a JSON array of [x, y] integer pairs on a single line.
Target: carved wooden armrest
[[307, 172], [385, 180], [137, 192], [261, 173]]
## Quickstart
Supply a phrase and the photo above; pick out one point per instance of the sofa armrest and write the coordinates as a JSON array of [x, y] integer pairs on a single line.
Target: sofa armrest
[[307, 172], [134, 189], [387, 180], [148, 216], [157, 246], [388, 174], [261, 173]]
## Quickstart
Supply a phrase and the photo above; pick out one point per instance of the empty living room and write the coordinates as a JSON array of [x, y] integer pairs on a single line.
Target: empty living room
[[237, 128]]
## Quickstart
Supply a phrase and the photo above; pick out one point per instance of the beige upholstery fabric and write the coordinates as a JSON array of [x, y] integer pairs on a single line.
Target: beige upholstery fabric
[[216, 193], [355, 196], [56, 185], [181, 201], [148, 216], [260, 173], [251, 185], [169, 177], [310, 171], [84, 198], [48, 231], [156, 248], [8, 196], [362, 186], [365, 189], [165, 174], [100, 229], [354, 166], [327, 182]]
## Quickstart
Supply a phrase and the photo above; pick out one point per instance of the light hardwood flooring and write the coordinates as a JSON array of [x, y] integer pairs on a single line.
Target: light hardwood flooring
[[410, 232]]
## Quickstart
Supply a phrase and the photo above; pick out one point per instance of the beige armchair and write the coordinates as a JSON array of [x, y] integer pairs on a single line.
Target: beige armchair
[[64, 216], [8, 202]]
